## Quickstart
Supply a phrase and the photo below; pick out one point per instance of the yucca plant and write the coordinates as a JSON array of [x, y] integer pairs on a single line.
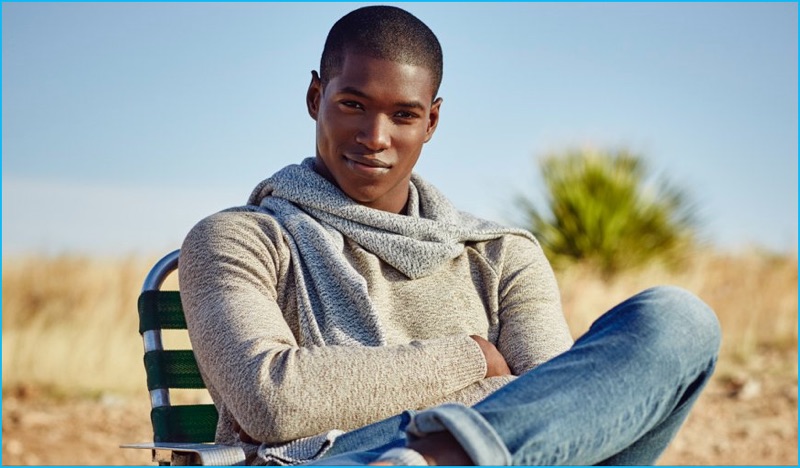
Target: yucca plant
[[602, 210]]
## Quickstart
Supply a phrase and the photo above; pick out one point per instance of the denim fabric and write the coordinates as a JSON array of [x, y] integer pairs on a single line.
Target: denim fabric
[[617, 397]]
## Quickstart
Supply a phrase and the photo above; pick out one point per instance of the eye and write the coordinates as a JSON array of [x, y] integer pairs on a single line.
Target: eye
[[405, 115], [352, 104]]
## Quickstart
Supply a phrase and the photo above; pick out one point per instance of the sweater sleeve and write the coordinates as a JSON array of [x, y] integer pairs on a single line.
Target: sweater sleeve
[[233, 266], [532, 324]]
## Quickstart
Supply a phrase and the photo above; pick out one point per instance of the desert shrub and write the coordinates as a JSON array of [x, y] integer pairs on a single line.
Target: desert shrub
[[603, 208]]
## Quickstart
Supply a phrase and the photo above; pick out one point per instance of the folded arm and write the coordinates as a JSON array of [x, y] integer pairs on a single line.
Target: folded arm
[[231, 272]]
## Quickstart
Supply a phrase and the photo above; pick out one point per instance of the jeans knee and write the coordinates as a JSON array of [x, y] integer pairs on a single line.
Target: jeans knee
[[683, 319]]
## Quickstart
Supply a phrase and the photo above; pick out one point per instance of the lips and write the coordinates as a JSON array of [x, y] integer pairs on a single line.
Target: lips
[[369, 162], [366, 167]]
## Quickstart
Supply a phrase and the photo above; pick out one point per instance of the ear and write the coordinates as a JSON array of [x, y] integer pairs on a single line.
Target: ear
[[313, 95], [433, 119]]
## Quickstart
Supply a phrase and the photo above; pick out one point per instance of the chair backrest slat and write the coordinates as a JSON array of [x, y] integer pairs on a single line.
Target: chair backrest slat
[[160, 310], [172, 369], [184, 423]]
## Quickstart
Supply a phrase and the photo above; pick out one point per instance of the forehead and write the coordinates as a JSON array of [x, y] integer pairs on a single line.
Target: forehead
[[383, 77]]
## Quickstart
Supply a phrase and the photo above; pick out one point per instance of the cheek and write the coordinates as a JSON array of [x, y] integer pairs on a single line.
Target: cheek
[[332, 129], [325, 138], [411, 141]]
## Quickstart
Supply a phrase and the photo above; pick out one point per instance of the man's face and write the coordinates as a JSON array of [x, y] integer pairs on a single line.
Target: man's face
[[372, 120]]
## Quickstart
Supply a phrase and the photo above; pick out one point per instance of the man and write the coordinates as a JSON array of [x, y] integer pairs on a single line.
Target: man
[[349, 314]]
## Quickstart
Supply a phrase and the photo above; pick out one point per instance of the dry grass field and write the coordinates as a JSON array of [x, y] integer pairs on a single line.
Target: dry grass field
[[73, 381]]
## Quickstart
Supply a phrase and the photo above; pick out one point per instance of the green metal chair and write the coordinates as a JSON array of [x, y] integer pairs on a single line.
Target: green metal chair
[[182, 434]]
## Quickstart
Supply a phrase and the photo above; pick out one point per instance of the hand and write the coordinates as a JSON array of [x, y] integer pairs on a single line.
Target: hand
[[496, 364], [243, 436]]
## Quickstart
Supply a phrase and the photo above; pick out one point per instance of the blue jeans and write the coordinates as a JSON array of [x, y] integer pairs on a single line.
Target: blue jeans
[[617, 397]]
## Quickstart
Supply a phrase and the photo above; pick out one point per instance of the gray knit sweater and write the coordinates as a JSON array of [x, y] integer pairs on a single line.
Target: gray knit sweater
[[310, 314]]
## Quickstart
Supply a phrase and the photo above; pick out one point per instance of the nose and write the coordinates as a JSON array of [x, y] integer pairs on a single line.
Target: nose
[[375, 133]]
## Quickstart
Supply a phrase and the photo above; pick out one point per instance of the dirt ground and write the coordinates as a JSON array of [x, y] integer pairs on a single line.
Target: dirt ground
[[747, 416]]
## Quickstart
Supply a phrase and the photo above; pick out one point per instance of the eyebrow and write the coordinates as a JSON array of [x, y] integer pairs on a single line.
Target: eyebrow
[[359, 93]]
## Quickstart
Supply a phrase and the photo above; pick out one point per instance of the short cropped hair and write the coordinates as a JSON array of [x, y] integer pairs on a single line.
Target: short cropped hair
[[383, 32]]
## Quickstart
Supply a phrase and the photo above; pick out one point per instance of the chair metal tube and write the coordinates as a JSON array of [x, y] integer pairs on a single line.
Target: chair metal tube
[[152, 340], [161, 270], [159, 397]]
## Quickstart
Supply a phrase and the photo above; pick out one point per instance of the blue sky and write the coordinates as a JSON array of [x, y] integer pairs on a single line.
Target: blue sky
[[124, 124]]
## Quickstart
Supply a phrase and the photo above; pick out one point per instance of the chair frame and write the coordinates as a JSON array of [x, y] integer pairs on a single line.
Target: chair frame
[[174, 453]]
